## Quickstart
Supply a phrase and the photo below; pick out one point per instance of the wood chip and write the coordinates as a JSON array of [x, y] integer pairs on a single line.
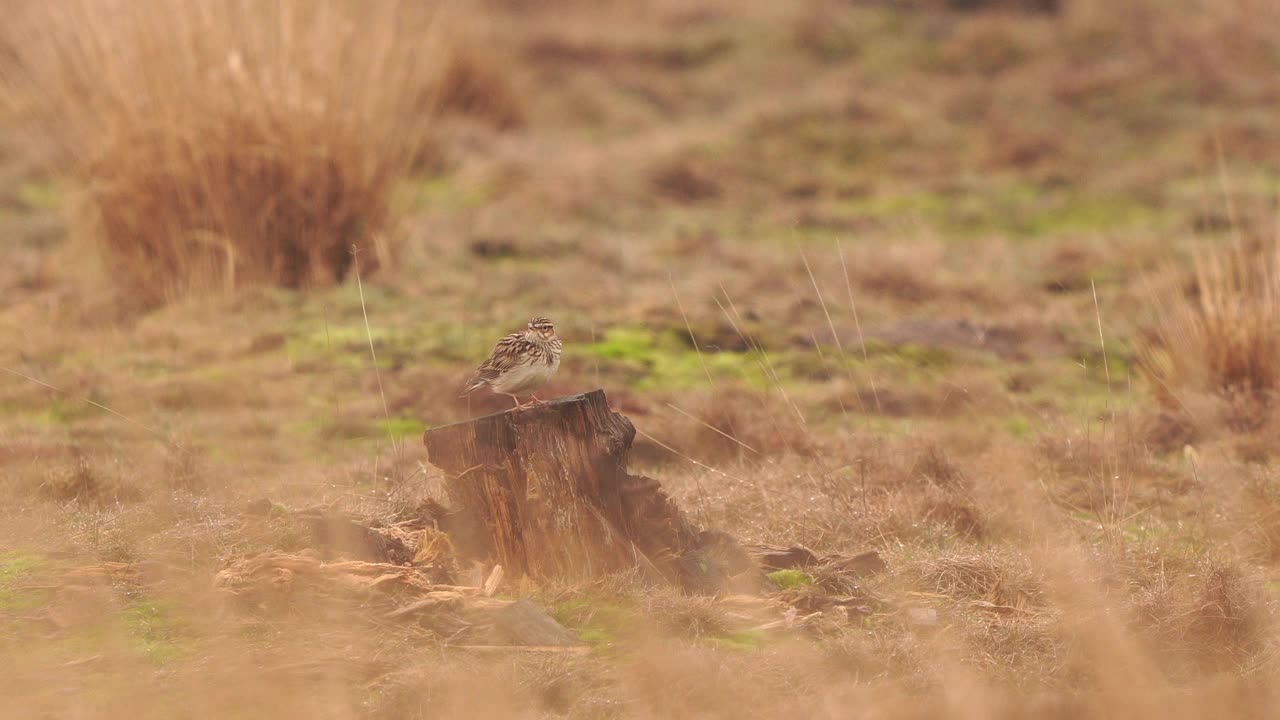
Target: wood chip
[[494, 580], [434, 601]]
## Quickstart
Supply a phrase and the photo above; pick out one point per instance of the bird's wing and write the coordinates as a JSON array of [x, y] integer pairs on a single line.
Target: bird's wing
[[507, 354]]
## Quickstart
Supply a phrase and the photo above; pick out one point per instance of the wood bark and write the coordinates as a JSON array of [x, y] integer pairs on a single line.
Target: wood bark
[[544, 492]]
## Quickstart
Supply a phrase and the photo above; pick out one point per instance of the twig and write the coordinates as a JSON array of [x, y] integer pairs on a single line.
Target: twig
[[100, 406], [858, 324], [686, 457], [692, 338], [709, 426], [844, 359], [386, 414]]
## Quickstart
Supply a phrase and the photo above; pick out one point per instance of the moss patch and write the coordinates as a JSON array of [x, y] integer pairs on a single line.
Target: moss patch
[[39, 195], [1018, 209], [741, 640], [347, 345], [16, 568], [654, 360], [399, 427], [156, 631], [790, 579], [599, 623]]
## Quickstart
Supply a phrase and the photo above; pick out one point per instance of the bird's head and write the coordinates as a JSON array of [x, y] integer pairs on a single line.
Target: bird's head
[[542, 328]]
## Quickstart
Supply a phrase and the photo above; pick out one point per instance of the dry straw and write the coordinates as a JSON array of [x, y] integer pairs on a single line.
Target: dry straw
[[1223, 339], [219, 144]]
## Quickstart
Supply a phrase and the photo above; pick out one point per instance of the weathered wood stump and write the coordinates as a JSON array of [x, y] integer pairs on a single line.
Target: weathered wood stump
[[544, 491]]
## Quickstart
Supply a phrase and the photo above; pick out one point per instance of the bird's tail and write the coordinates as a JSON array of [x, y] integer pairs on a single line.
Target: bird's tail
[[473, 385]]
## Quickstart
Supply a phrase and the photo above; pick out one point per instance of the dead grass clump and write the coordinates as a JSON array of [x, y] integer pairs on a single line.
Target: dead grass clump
[[988, 45], [685, 181], [1069, 266], [1110, 449], [1228, 620], [824, 33], [1206, 611], [1216, 48], [1019, 647], [998, 578], [1222, 340], [477, 85], [686, 616], [85, 481], [1164, 431], [1260, 516], [184, 470], [902, 282], [935, 466], [235, 143], [957, 512]]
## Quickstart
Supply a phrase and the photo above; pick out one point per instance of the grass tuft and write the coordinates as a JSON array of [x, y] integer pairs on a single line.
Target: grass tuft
[[1220, 337], [220, 145]]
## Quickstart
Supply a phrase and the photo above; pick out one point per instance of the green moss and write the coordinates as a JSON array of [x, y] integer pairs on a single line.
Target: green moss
[[625, 344], [357, 428], [596, 637], [14, 565], [740, 640], [61, 410], [39, 195], [1013, 208], [341, 428], [790, 579], [1018, 426], [1078, 387], [347, 345], [598, 623], [662, 360], [401, 426], [156, 631], [1082, 213], [15, 570], [924, 356], [438, 192]]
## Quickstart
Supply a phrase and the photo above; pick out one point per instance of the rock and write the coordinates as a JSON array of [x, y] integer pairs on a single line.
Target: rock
[[777, 557]]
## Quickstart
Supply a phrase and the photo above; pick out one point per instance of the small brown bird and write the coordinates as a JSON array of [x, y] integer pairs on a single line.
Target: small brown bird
[[521, 362]]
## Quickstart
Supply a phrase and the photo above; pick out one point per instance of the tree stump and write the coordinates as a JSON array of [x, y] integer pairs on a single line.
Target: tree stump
[[544, 492]]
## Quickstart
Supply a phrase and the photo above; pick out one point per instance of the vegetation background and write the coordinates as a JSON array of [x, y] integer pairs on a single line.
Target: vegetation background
[[987, 286]]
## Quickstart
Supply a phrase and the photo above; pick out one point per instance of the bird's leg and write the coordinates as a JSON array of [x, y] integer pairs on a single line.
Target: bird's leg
[[535, 399], [514, 399]]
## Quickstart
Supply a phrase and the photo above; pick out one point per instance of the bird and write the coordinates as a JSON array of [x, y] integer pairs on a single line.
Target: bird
[[520, 363]]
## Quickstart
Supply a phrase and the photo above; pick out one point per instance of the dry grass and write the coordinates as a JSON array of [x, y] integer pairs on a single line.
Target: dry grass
[[1218, 49], [217, 146], [1221, 338], [1052, 539]]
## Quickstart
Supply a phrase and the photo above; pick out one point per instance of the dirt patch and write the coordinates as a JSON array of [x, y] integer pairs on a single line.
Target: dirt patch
[[685, 182]]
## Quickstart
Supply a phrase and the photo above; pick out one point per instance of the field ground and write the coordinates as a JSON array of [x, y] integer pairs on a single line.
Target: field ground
[[864, 276]]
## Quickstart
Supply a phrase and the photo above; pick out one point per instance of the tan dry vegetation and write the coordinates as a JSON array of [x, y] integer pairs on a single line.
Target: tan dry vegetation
[[1211, 353], [235, 144], [882, 276]]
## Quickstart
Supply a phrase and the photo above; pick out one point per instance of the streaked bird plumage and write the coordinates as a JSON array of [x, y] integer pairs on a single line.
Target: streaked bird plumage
[[520, 363]]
